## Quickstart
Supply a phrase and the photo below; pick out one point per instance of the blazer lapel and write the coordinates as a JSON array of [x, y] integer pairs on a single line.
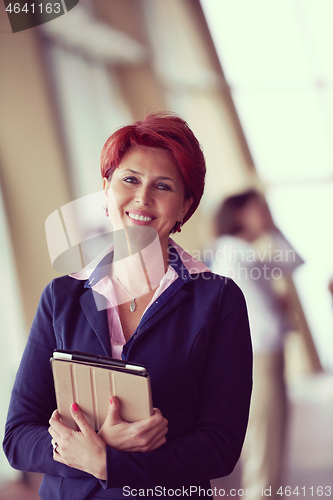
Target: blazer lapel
[[172, 298], [94, 308]]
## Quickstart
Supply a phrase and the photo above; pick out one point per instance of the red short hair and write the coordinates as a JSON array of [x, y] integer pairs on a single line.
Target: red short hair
[[166, 131]]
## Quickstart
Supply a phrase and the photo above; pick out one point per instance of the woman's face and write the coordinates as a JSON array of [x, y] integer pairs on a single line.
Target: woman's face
[[149, 191]]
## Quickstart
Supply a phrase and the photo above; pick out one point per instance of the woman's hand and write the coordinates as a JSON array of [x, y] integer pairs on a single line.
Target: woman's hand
[[143, 435], [83, 449]]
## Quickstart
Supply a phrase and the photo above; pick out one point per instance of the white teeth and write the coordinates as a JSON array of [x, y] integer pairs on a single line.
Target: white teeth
[[139, 217]]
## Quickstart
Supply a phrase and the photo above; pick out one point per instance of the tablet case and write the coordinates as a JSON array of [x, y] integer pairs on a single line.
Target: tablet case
[[91, 386]]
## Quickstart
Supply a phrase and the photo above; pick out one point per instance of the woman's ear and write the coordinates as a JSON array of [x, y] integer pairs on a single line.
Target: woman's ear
[[105, 185]]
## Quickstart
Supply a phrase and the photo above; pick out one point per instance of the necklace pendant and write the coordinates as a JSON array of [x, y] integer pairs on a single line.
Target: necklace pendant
[[133, 306]]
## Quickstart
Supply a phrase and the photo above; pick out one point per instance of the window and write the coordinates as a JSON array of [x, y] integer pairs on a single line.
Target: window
[[277, 61]]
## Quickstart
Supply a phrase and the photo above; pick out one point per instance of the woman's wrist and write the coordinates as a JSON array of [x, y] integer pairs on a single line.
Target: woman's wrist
[[100, 472]]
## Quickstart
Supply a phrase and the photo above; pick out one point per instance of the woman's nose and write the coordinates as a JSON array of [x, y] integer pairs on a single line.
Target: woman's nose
[[143, 195]]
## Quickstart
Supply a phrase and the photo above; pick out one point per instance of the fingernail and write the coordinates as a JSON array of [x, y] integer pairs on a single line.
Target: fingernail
[[75, 407], [110, 401]]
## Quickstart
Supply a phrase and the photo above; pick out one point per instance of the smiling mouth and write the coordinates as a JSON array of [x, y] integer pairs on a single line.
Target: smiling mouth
[[139, 217]]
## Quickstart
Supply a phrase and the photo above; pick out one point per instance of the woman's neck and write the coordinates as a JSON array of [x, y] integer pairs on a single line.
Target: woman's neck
[[139, 262]]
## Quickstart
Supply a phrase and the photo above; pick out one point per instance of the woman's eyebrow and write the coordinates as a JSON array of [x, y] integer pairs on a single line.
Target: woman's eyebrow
[[132, 171], [164, 178], [160, 177]]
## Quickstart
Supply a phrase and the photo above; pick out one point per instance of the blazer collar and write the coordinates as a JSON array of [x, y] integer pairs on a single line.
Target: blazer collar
[[183, 263], [167, 301], [94, 305], [101, 270]]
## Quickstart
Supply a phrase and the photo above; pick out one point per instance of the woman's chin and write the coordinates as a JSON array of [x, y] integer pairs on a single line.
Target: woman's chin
[[141, 236]]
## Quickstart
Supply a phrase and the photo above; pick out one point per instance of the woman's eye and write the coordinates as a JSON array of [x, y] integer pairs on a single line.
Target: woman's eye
[[163, 187], [130, 179]]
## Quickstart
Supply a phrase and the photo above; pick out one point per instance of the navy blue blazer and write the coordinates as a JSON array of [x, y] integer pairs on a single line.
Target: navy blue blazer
[[195, 342]]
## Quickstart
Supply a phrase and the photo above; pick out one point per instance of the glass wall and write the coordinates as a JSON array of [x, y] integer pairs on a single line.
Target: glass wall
[[277, 61]]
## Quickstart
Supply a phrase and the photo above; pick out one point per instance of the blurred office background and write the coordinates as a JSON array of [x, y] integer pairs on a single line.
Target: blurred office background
[[254, 80]]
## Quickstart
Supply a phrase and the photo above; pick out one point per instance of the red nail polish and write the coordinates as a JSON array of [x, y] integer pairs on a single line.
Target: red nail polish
[[75, 407], [110, 401]]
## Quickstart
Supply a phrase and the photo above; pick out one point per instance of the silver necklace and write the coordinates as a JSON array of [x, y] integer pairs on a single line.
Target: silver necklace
[[133, 304]]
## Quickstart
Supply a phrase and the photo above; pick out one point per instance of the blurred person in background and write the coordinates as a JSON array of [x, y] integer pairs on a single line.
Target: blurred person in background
[[250, 249], [330, 286]]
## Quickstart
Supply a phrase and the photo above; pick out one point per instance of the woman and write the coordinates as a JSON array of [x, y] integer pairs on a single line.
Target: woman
[[252, 251], [186, 325]]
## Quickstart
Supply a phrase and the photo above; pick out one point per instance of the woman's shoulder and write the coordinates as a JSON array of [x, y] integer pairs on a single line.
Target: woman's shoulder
[[65, 286], [209, 284], [213, 298]]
